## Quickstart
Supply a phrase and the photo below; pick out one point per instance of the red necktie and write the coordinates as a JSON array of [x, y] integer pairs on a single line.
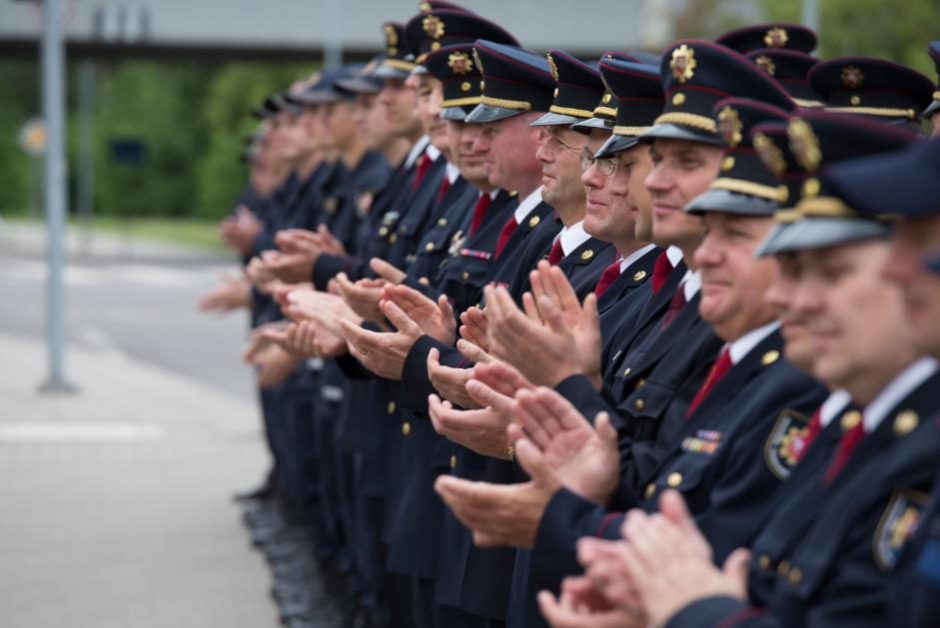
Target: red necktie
[[609, 276], [850, 438], [479, 211], [675, 306], [505, 234], [422, 170], [661, 271], [442, 192], [556, 254], [719, 369]]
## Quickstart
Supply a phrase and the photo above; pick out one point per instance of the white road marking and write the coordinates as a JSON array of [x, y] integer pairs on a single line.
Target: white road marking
[[59, 432]]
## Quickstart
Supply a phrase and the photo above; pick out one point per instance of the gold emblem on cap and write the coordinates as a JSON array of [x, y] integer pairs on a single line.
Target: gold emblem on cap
[[905, 422], [433, 26], [770, 357], [606, 99], [766, 64], [811, 188], [465, 86], [852, 76], [391, 39], [683, 63], [856, 100], [534, 220], [727, 163], [476, 59], [639, 275], [729, 126], [770, 154], [424, 7], [678, 99], [804, 144], [587, 254], [459, 63], [555, 93], [552, 66], [850, 419], [776, 38]]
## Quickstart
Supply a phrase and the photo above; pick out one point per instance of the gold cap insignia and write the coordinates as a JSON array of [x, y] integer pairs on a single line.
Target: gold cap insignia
[[770, 154], [852, 77], [776, 38], [683, 63], [433, 26], [727, 163], [606, 99], [476, 59], [465, 86], [905, 422], [587, 254], [552, 66], [460, 63], [804, 144], [424, 7], [391, 39], [555, 93], [811, 188], [766, 64], [729, 126]]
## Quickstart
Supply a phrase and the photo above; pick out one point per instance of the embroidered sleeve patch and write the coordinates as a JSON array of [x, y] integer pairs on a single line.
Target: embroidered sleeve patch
[[787, 442], [897, 526]]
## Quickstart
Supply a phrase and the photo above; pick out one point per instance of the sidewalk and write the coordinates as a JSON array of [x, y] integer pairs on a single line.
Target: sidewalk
[[115, 500]]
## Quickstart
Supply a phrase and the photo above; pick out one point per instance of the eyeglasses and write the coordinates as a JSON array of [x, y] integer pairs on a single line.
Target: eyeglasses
[[607, 166]]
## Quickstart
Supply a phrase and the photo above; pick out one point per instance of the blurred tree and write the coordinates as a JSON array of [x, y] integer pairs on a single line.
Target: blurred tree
[[19, 103]]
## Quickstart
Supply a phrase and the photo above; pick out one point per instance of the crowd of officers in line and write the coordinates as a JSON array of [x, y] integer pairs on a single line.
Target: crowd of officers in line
[[646, 340]]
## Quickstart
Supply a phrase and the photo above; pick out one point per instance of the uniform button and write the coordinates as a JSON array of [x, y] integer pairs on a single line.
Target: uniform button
[[442, 222], [453, 462], [466, 275], [392, 239], [406, 428], [764, 562], [383, 231], [674, 479], [429, 247], [640, 383], [783, 568], [639, 404], [850, 420], [796, 576], [650, 489], [391, 407], [627, 371]]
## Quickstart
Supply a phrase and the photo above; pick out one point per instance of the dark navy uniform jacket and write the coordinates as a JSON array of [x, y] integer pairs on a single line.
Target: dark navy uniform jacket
[[826, 556], [715, 458]]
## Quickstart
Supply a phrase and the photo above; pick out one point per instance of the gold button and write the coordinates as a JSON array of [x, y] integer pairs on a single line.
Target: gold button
[[678, 99], [764, 562], [465, 86], [482, 85], [441, 222], [383, 231], [905, 422], [534, 220], [555, 93], [587, 254], [850, 420], [770, 357], [406, 428], [811, 187], [627, 371], [453, 462], [606, 99], [650, 489], [855, 100], [640, 275], [435, 45], [392, 239], [466, 275], [674, 479], [640, 404], [391, 407], [783, 568], [796, 575], [727, 163], [429, 247], [640, 383]]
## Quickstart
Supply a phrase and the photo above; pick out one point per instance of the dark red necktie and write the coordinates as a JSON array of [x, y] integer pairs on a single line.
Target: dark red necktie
[[442, 192], [608, 277], [661, 271], [422, 170], [719, 369], [556, 254], [675, 306], [479, 211], [505, 234], [850, 438]]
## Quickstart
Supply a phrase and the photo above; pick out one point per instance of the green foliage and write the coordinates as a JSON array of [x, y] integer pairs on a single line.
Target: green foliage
[[18, 104]]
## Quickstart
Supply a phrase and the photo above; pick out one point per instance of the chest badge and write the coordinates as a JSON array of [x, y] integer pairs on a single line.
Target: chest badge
[[787, 443]]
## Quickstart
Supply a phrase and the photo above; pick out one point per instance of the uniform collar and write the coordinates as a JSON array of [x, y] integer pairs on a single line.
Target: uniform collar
[[629, 260], [416, 151], [899, 388], [432, 151], [674, 255], [691, 283], [453, 171], [572, 237], [833, 406], [738, 349], [527, 204]]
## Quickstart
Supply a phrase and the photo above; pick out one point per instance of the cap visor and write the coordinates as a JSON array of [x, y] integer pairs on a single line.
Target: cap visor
[[616, 144], [456, 114], [386, 71], [932, 109], [676, 132], [585, 126], [359, 85], [728, 202], [487, 113], [318, 97], [555, 119], [817, 233]]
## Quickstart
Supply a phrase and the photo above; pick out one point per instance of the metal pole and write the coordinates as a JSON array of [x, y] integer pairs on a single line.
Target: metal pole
[[53, 105], [810, 17], [332, 47], [86, 149]]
